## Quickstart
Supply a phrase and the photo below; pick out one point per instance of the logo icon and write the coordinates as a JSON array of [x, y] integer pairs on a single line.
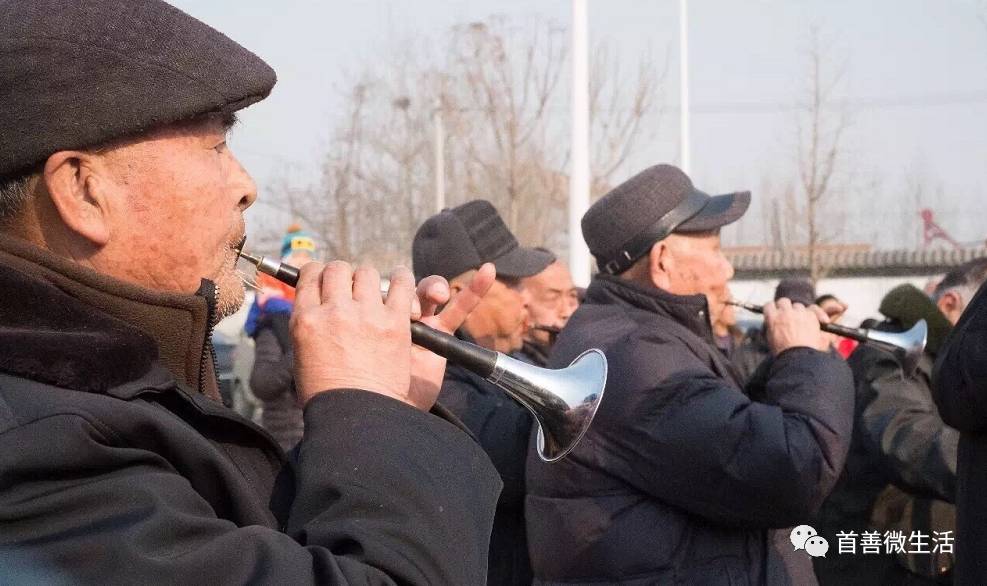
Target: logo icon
[[816, 546], [807, 538], [801, 534]]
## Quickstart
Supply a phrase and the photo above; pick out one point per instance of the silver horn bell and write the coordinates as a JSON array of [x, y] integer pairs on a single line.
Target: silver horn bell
[[563, 401], [907, 347]]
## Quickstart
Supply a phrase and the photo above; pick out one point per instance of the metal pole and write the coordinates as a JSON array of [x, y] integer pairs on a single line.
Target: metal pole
[[684, 85], [579, 258], [440, 159]]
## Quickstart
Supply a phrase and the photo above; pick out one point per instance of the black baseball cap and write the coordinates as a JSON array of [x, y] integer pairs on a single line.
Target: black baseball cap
[[460, 239]]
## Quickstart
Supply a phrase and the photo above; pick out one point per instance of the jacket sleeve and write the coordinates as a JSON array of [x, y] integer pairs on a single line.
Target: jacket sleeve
[[902, 428], [959, 380], [271, 375], [697, 443], [386, 494]]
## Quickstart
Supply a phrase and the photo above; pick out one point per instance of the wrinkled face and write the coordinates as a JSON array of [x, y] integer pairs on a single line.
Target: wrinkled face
[[177, 217], [699, 266], [498, 321], [550, 298]]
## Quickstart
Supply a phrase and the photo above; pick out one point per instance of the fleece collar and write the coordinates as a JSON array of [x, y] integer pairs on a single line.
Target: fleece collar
[[67, 325]]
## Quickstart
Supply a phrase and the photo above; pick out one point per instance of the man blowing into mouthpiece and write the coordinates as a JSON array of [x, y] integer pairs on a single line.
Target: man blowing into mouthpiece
[[453, 244], [685, 475], [120, 211]]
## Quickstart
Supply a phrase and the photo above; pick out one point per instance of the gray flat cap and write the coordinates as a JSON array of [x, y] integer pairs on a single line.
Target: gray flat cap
[[462, 238], [624, 224], [77, 73]]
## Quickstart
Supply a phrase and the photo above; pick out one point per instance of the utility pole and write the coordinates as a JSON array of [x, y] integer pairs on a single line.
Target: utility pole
[[684, 86], [579, 178]]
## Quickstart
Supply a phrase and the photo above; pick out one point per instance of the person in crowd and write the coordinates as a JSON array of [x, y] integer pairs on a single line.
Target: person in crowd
[[121, 219], [267, 323], [684, 477], [901, 471], [754, 349], [959, 385], [836, 309], [550, 298], [454, 244], [796, 290]]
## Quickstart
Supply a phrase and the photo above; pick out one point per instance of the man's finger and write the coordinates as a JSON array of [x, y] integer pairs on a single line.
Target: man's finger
[[459, 308], [308, 289], [337, 282], [769, 310], [821, 314], [432, 292], [366, 285], [401, 292]]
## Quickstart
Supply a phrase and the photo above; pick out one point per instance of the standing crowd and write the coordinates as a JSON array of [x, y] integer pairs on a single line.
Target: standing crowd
[[121, 223]]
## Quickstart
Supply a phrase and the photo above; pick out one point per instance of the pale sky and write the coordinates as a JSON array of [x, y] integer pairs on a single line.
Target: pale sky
[[915, 87]]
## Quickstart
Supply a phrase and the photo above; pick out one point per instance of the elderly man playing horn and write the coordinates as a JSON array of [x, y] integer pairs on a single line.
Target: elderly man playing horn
[[685, 477], [121, 211], [453, 244]]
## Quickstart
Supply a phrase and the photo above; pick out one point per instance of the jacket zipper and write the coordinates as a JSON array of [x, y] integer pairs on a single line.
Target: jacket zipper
[[208, 351]]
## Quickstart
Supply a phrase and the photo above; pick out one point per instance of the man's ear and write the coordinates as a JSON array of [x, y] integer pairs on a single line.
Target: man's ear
[[660, 264], [950, 303], [76, 191]]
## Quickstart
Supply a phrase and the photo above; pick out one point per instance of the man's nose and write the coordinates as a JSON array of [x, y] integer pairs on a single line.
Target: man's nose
[[729, 269], [569, 306], [522, 307], [243, 185]]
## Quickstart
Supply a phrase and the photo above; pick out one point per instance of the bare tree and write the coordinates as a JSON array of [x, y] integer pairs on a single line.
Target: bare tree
[[618, 108], [780, 204], [505, 114], [353, 208], [501, 83], [507, 108], [820, 128]]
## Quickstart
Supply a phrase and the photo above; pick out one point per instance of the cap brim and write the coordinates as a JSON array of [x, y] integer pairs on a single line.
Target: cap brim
[[522, 262], [719, 211]]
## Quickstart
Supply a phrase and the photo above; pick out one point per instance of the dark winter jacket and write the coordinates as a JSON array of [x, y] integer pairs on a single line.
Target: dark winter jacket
[[900, 473], [682, 477], [118, 465], [272, 379], [960, 391], [501, 426], [533, 353], [750, 353]]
